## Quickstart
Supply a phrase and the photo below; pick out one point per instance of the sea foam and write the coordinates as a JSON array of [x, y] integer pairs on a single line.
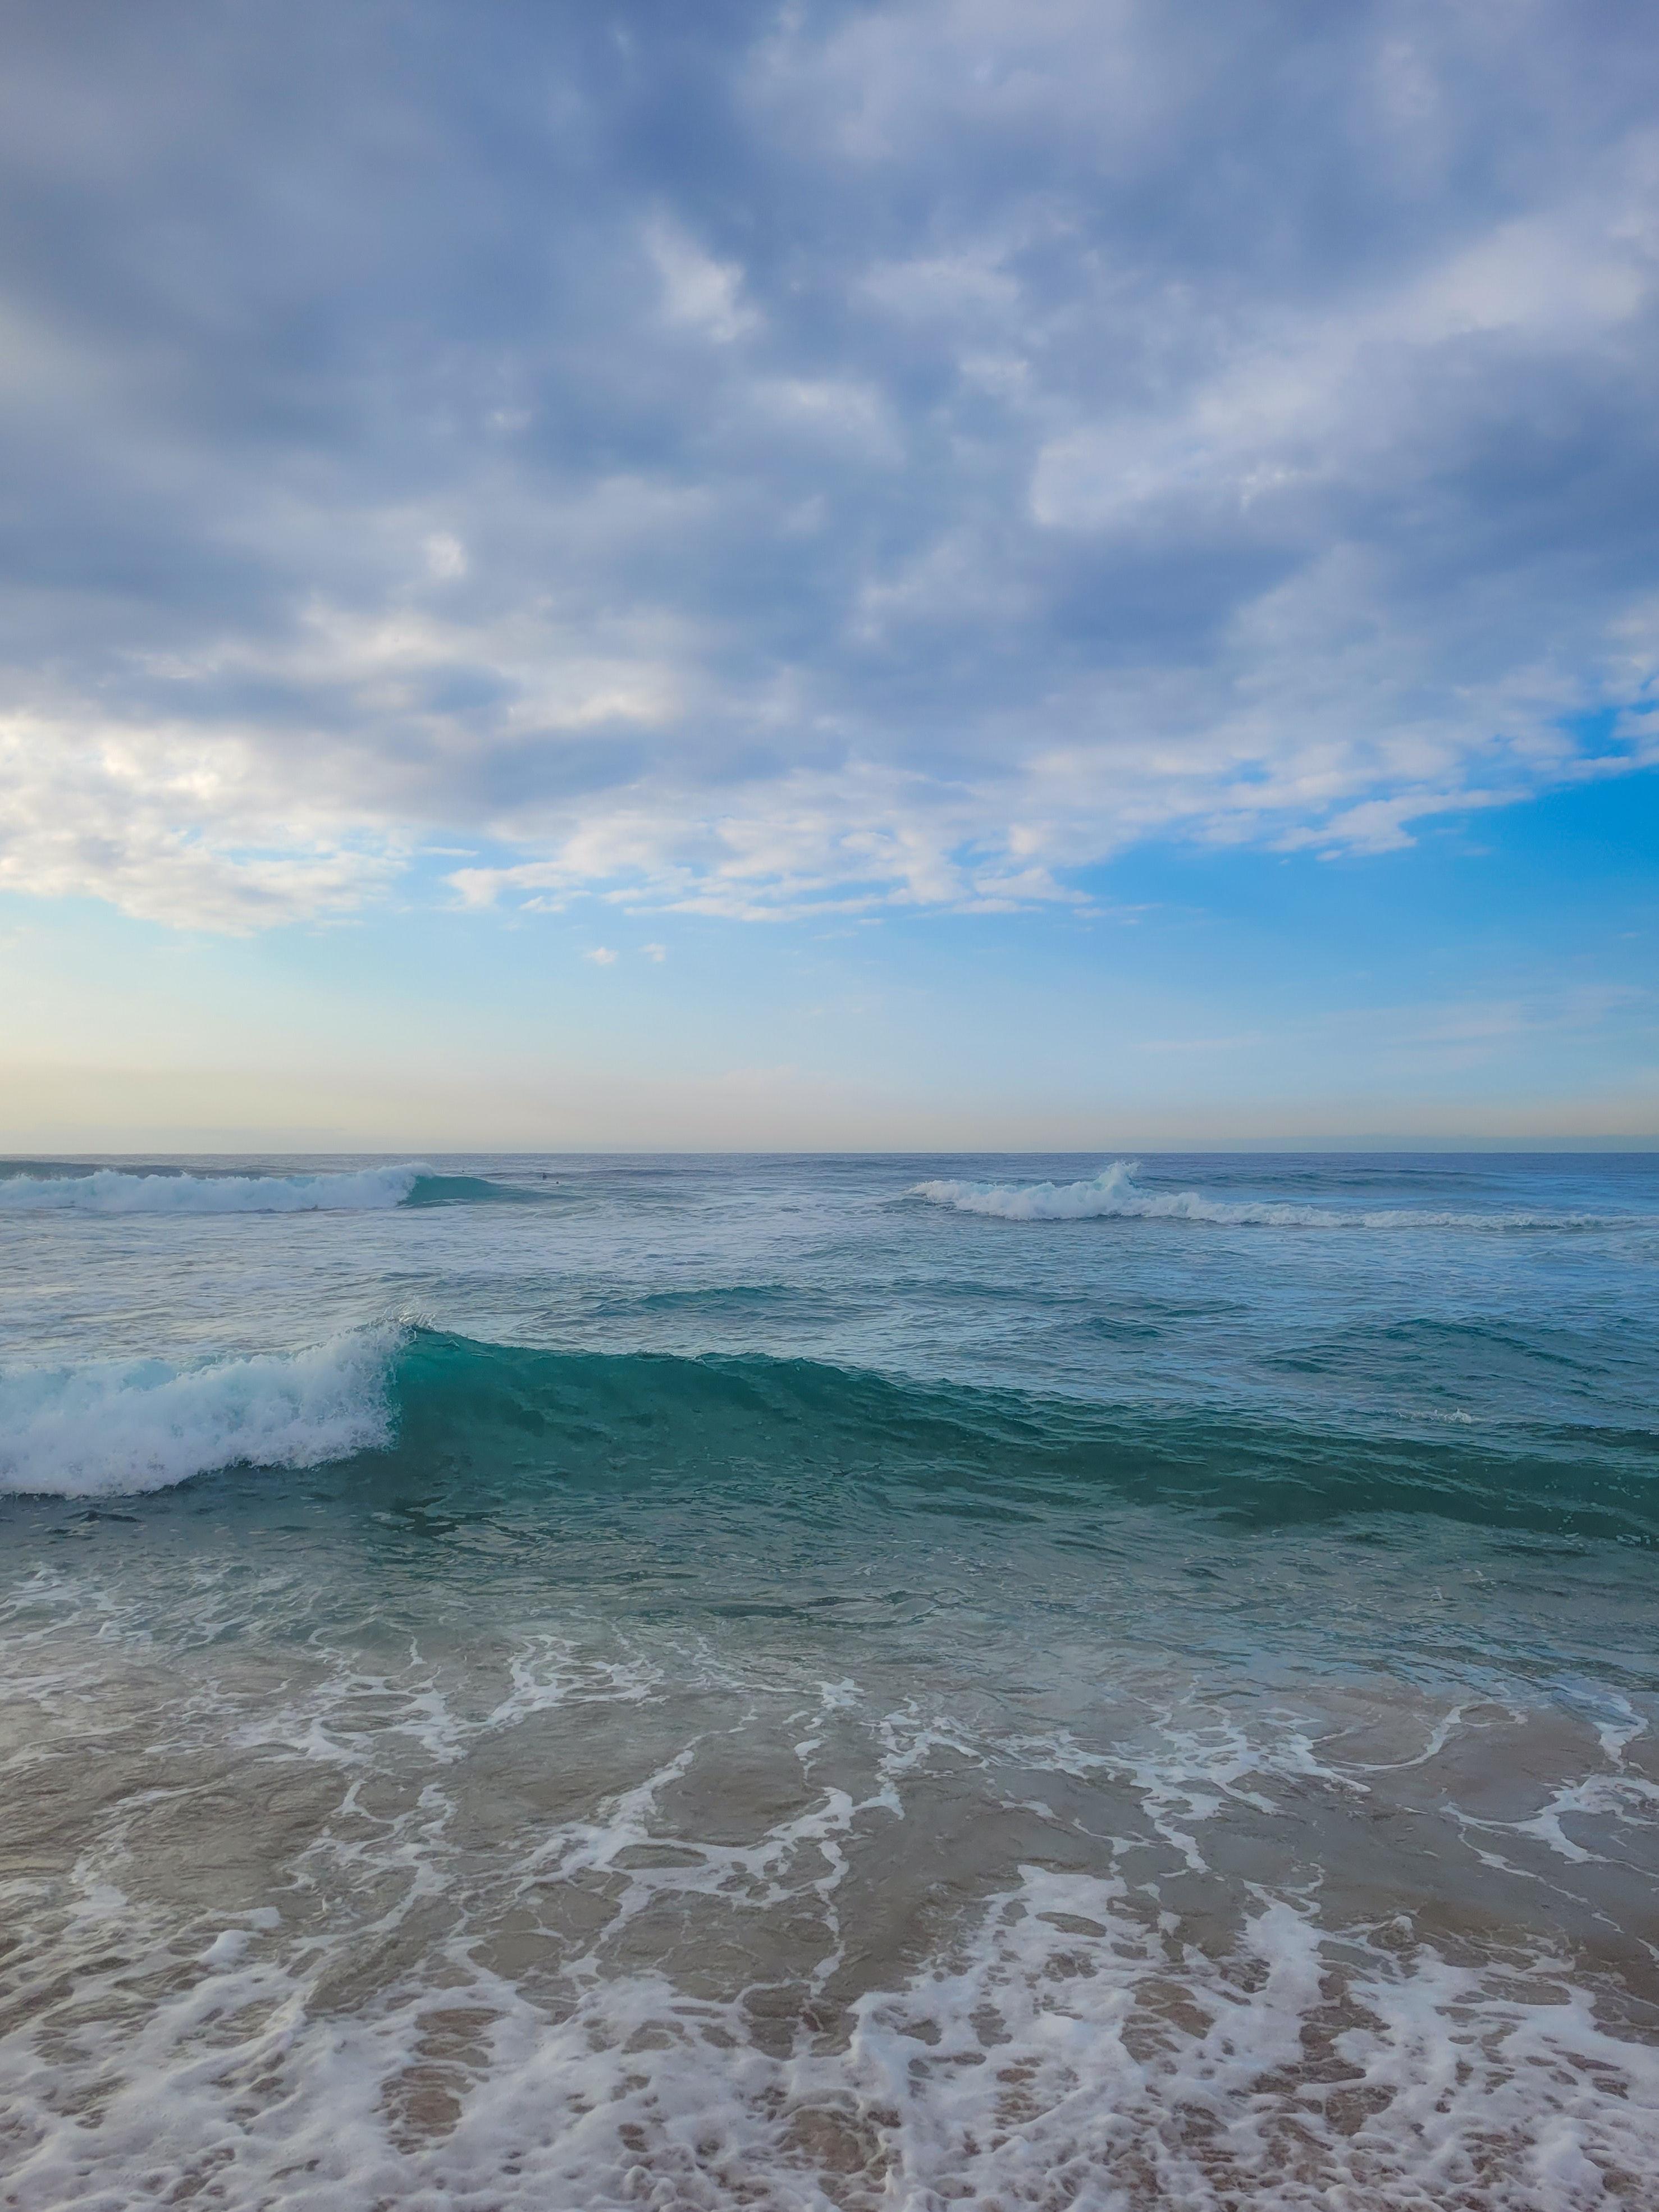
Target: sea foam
[[117, 1190], [1042, 2059], [1114, 1194], [120, 1426]]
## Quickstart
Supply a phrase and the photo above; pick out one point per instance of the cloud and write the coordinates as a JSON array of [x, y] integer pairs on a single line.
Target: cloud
[[94, 808], [445, 556], [814, 462], [698, 291], [601, 955]]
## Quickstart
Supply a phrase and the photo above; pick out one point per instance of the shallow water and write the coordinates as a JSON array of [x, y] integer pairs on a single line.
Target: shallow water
[[831, 1683]]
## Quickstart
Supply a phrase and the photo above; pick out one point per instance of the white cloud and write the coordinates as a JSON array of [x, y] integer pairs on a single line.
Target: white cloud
[[698, 290], [971, 287], [171, 829], [601, 955], [445, 556]]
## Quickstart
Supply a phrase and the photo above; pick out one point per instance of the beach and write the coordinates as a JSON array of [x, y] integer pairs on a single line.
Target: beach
[[840, 1681]]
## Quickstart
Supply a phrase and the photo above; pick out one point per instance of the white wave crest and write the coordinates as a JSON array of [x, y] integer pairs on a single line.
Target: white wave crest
[[1114, 1194], [114, 1190], [125, 1426]]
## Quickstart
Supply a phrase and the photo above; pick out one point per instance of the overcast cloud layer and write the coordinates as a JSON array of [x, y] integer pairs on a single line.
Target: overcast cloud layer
[[753, 459]]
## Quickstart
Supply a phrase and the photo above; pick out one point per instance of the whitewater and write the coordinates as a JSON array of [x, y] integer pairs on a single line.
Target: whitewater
[[831, 1683], [33, 1189], [1114, 1194]]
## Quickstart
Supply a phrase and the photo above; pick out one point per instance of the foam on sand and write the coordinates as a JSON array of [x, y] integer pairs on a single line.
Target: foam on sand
[[1060, 2052]]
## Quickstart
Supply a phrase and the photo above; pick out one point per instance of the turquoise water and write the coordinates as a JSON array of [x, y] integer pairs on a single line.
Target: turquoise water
[[831, 1682]]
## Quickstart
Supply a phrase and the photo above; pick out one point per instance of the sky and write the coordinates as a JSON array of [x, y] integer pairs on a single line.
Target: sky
[[1051, 574]]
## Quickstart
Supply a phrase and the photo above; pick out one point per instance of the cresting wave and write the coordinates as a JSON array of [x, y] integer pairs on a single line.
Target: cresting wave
[[118, 1427], [117, 1191], [1114, 1194], [415, 1404]]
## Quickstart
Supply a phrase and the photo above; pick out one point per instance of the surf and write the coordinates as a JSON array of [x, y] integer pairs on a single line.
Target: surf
[[403, 1404], [120, 1428], [1114, 1194], [68, 1190]]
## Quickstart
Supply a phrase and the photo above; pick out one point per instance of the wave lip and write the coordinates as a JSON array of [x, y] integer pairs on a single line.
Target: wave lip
[[119, 1190], [1114, 1194], [122, 1426]]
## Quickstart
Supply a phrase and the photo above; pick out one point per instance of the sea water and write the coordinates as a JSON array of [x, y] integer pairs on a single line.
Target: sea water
[[572, 1683]]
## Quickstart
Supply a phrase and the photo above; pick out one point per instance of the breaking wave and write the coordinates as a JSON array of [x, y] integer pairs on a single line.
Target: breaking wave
[[120, 1426], [475, 1419], [120, 1190], [1114, 1194]]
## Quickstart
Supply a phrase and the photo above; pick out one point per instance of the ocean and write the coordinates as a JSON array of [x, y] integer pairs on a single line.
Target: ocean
[[783, 1682]]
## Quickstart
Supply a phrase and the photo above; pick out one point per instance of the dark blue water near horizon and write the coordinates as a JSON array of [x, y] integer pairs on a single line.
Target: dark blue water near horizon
[[843, 1682]]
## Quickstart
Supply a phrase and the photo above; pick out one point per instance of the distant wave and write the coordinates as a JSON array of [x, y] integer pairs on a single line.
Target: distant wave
[[1114, 1194], [472, 1423], [119, 1190]]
